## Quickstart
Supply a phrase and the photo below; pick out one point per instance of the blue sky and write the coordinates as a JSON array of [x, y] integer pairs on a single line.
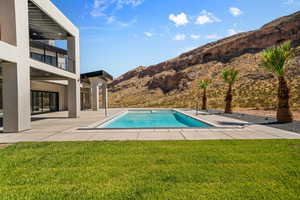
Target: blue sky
[[119, 35]]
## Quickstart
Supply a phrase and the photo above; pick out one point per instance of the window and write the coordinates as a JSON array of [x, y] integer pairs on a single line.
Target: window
[[42, 101]]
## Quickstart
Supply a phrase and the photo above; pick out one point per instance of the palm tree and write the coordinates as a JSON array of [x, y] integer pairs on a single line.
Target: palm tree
[[203, 84], [275, 60], [229, 76]]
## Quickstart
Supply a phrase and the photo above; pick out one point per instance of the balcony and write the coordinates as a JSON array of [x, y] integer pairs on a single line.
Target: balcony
[[43, 28], [51, 55]]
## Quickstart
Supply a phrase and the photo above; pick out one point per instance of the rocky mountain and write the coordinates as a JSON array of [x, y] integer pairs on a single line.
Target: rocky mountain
[[173, 83]]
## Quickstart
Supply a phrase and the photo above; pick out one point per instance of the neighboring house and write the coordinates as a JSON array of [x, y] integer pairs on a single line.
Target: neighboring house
[[36, 76], [90, 91]]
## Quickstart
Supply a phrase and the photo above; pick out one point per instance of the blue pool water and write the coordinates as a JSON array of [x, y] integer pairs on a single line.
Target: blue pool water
[[153, 119]]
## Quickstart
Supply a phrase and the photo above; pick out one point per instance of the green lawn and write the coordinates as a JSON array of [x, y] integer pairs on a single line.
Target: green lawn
[[151, 170]]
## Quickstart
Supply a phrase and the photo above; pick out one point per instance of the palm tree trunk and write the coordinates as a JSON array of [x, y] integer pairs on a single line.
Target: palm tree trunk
[[284, 114], [228, 100], [204, 100]]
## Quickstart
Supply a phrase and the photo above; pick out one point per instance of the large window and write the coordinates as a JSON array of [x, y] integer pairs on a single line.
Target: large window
[[37, 56], [42, 101], [51, 60]]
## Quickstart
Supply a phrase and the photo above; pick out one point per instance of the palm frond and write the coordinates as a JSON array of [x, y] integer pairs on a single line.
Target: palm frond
[[204, 83], [230, 75], [275, 59]]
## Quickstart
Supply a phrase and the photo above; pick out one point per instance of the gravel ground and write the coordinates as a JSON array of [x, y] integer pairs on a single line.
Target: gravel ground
[[268, 121]]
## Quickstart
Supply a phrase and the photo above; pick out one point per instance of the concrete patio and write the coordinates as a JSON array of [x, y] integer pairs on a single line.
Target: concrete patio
[[58, 127]]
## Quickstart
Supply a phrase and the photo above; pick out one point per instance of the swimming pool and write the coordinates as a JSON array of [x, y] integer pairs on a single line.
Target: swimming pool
[[153, 119]]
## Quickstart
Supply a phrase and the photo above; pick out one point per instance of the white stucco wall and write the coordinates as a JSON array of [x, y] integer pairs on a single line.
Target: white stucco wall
[[8, 22], [14, 48]]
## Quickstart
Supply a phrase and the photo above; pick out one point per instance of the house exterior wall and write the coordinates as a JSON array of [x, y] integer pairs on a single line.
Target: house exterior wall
[[16, 62], [45, 87], [8, 22]]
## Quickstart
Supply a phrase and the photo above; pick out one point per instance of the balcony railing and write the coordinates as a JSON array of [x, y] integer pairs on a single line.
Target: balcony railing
[[67, 64], [51, 55]]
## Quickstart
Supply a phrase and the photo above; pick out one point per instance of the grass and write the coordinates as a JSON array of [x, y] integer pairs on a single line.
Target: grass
[[265, 169]]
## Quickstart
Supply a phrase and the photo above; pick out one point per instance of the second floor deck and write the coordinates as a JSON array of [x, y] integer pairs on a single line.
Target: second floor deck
[[51, 55]]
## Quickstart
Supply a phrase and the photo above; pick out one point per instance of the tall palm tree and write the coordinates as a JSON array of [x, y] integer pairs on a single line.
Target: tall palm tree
[[229, 76], [275, 60], [203, 84]]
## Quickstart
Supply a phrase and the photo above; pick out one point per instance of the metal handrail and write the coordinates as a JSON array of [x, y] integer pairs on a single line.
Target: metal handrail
[[67, 66]]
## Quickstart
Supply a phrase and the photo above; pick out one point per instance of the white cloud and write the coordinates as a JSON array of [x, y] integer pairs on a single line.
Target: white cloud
[[186, 49], [179, 37], [292, 2], [289, 1], [195, 36], [235, 11], [179, 20], [101, 6], [134, 3], [232, 31], [206, 17], [203, 20], [111, 19], [212, 36], [148, 34], [126, 24]]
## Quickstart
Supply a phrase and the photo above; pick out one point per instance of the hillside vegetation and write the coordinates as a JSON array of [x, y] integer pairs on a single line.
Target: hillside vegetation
[[173, 83]]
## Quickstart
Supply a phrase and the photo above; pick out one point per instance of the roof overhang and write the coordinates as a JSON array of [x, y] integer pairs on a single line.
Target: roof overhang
[[43, 27], [41, 45], [101, 74]]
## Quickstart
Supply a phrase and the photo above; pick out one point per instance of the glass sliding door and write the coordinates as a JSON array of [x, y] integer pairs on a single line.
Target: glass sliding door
[[36, 102], [46, 102], [42, 101], [53, 101]]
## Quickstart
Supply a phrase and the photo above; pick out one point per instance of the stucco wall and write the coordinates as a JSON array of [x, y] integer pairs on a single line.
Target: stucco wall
[[14, 48], [8, 22]]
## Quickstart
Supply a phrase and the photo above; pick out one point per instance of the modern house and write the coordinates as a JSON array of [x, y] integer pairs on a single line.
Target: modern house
[[37, 76]]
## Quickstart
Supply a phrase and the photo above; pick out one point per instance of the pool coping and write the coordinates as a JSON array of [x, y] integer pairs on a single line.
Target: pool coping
[[58, 130], [211, 124]]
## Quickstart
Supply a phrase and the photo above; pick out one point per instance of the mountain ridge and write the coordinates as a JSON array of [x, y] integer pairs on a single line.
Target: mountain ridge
[[178, 74]]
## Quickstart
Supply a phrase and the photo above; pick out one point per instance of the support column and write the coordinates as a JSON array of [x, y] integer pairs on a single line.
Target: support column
[[74, 84], [73, 55], [104, 98], [95, 95], [73, 98], [16, 97], [16, 75], [88, 98]]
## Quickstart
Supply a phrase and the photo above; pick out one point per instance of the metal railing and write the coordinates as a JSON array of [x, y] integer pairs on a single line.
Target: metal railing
[[67, 65]]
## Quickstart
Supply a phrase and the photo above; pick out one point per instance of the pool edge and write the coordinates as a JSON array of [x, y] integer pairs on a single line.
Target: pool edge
[[115, 116]]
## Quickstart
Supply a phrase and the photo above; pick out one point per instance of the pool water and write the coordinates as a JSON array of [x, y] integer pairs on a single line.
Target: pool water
[[153, 119]]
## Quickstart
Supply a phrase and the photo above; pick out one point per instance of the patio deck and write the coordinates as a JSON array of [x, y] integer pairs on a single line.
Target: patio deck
[[57, 127]]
